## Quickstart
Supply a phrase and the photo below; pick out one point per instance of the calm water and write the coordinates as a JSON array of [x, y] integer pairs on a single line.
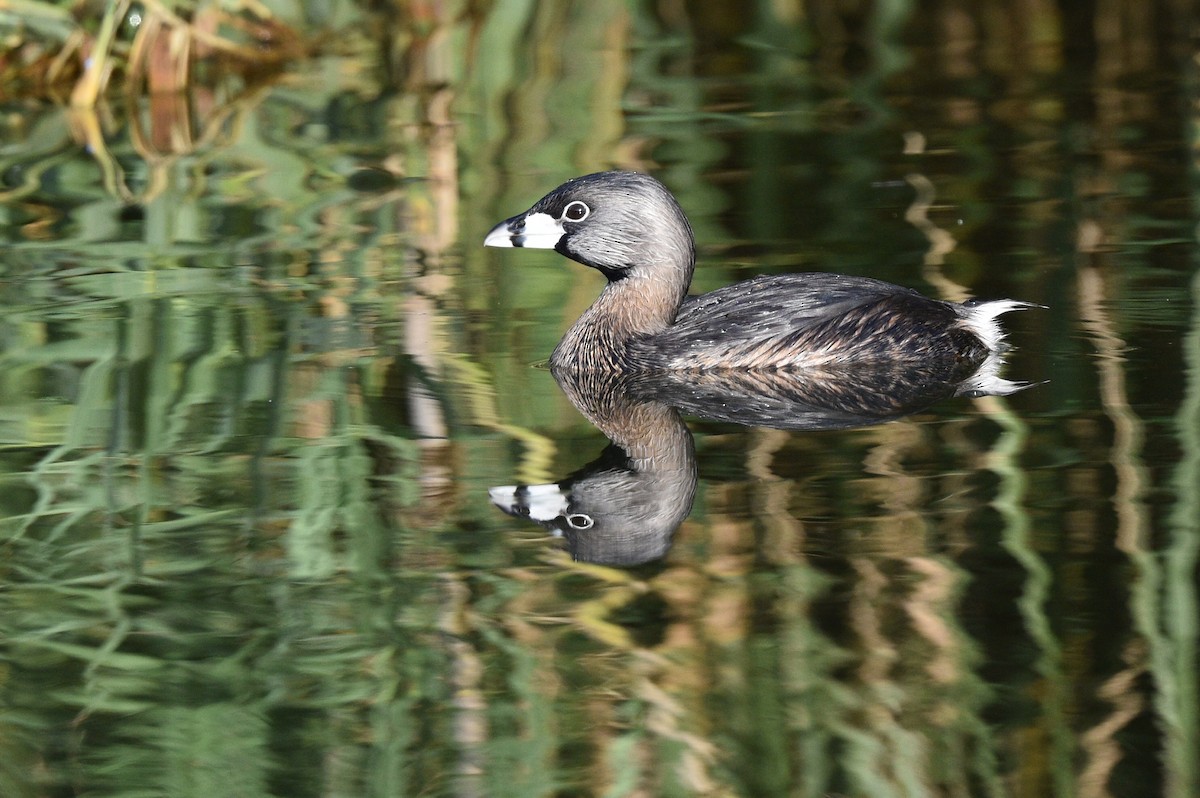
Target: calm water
[[257, 376]]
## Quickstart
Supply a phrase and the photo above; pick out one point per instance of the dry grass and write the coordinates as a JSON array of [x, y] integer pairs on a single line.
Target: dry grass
[[49, 52]]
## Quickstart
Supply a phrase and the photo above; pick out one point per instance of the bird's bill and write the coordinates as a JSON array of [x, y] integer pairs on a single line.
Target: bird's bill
[[529, 230], [541, 503]]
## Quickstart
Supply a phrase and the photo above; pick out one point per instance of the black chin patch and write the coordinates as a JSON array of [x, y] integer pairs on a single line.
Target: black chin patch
[[614, 274]]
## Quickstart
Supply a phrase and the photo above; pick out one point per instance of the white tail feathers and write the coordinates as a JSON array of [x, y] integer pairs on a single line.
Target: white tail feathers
[[981, 318]]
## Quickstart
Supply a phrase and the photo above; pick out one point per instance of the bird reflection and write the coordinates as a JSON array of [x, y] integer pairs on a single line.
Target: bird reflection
[[624, 507]]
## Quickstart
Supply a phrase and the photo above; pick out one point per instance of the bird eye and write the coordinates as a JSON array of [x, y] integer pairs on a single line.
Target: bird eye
[[576, 212], [580, 520]]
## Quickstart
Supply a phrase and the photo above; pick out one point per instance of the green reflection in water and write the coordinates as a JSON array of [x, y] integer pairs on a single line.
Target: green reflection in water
[[257, 375]]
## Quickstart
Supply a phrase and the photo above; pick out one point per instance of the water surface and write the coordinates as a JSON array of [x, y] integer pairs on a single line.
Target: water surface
[[257, 375]]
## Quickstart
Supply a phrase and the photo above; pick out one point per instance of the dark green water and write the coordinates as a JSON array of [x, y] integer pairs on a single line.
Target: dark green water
[[257, 374]]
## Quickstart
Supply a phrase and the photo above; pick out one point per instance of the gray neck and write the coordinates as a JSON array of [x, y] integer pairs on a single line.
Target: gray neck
[[641, 304]]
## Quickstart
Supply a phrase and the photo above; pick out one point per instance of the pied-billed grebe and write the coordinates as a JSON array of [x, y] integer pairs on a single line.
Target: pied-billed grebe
[[629, 227]]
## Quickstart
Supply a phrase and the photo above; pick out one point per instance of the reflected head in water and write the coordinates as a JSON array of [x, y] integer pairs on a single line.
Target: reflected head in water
[[623, 507], [630, 228], [611, 511]]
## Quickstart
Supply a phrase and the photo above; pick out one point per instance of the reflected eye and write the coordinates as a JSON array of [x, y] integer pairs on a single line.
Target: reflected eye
[[576, 212]]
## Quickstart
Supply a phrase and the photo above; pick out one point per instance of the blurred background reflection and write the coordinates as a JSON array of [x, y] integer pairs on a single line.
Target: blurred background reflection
[[257, 375]]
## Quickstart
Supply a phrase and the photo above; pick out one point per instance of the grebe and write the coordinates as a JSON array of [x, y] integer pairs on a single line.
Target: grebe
[[628, 226]]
